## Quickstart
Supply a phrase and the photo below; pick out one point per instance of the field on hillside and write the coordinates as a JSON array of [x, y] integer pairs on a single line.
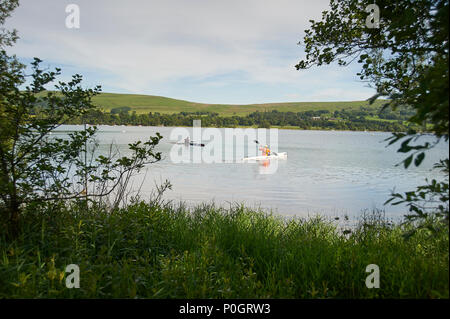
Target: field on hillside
[[148, 103]]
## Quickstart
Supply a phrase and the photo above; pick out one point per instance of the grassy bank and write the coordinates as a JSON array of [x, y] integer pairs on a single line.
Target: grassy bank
[[156, 251]]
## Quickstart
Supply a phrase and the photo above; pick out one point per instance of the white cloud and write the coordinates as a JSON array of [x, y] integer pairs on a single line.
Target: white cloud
[[143, 44]]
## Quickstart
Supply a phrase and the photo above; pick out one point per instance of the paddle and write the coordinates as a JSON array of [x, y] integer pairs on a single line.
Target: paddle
[[275, 153]]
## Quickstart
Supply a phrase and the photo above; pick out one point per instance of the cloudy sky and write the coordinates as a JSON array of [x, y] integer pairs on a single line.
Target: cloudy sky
[[211, 51]]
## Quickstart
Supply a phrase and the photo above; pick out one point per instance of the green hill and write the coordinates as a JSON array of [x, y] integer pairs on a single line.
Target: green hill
[[149, 103]]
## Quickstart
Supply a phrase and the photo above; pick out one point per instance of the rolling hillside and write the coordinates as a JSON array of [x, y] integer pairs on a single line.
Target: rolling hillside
[[149, 103]]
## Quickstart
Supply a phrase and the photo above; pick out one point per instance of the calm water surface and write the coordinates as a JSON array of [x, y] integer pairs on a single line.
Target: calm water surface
[[330, 173]]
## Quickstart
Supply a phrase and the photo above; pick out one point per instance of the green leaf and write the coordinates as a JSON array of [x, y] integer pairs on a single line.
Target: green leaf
[[408, 161], [419, 159]]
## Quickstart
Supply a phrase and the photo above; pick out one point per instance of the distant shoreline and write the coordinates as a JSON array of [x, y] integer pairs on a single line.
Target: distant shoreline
[[255, 127]]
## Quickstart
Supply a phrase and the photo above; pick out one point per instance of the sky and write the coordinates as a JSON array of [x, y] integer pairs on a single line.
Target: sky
[[208, 51]]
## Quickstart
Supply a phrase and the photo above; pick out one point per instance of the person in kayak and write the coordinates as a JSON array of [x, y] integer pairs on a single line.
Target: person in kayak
[[265, 150]]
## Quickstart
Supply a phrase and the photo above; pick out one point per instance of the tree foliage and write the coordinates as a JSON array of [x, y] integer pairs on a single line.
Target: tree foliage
[[405, 60], [7, 37], [345, 119], [37, 167]]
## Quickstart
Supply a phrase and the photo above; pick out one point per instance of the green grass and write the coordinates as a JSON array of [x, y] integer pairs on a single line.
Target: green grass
[[149, 250], [149, 103]]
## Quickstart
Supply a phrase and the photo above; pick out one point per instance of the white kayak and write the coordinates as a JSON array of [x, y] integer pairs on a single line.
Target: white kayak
[[282, 155]]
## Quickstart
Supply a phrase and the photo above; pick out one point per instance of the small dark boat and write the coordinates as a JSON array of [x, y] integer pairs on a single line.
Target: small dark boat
[[196, 144], [190, 143]]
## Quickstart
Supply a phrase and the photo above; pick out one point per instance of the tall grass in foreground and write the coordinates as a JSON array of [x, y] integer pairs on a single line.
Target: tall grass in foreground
[[160, 251]]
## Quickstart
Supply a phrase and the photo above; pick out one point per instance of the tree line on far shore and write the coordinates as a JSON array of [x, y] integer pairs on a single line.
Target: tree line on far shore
[[346, 119]]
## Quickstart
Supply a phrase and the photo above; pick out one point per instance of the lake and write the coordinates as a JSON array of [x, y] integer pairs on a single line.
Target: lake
[[332, 173]]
